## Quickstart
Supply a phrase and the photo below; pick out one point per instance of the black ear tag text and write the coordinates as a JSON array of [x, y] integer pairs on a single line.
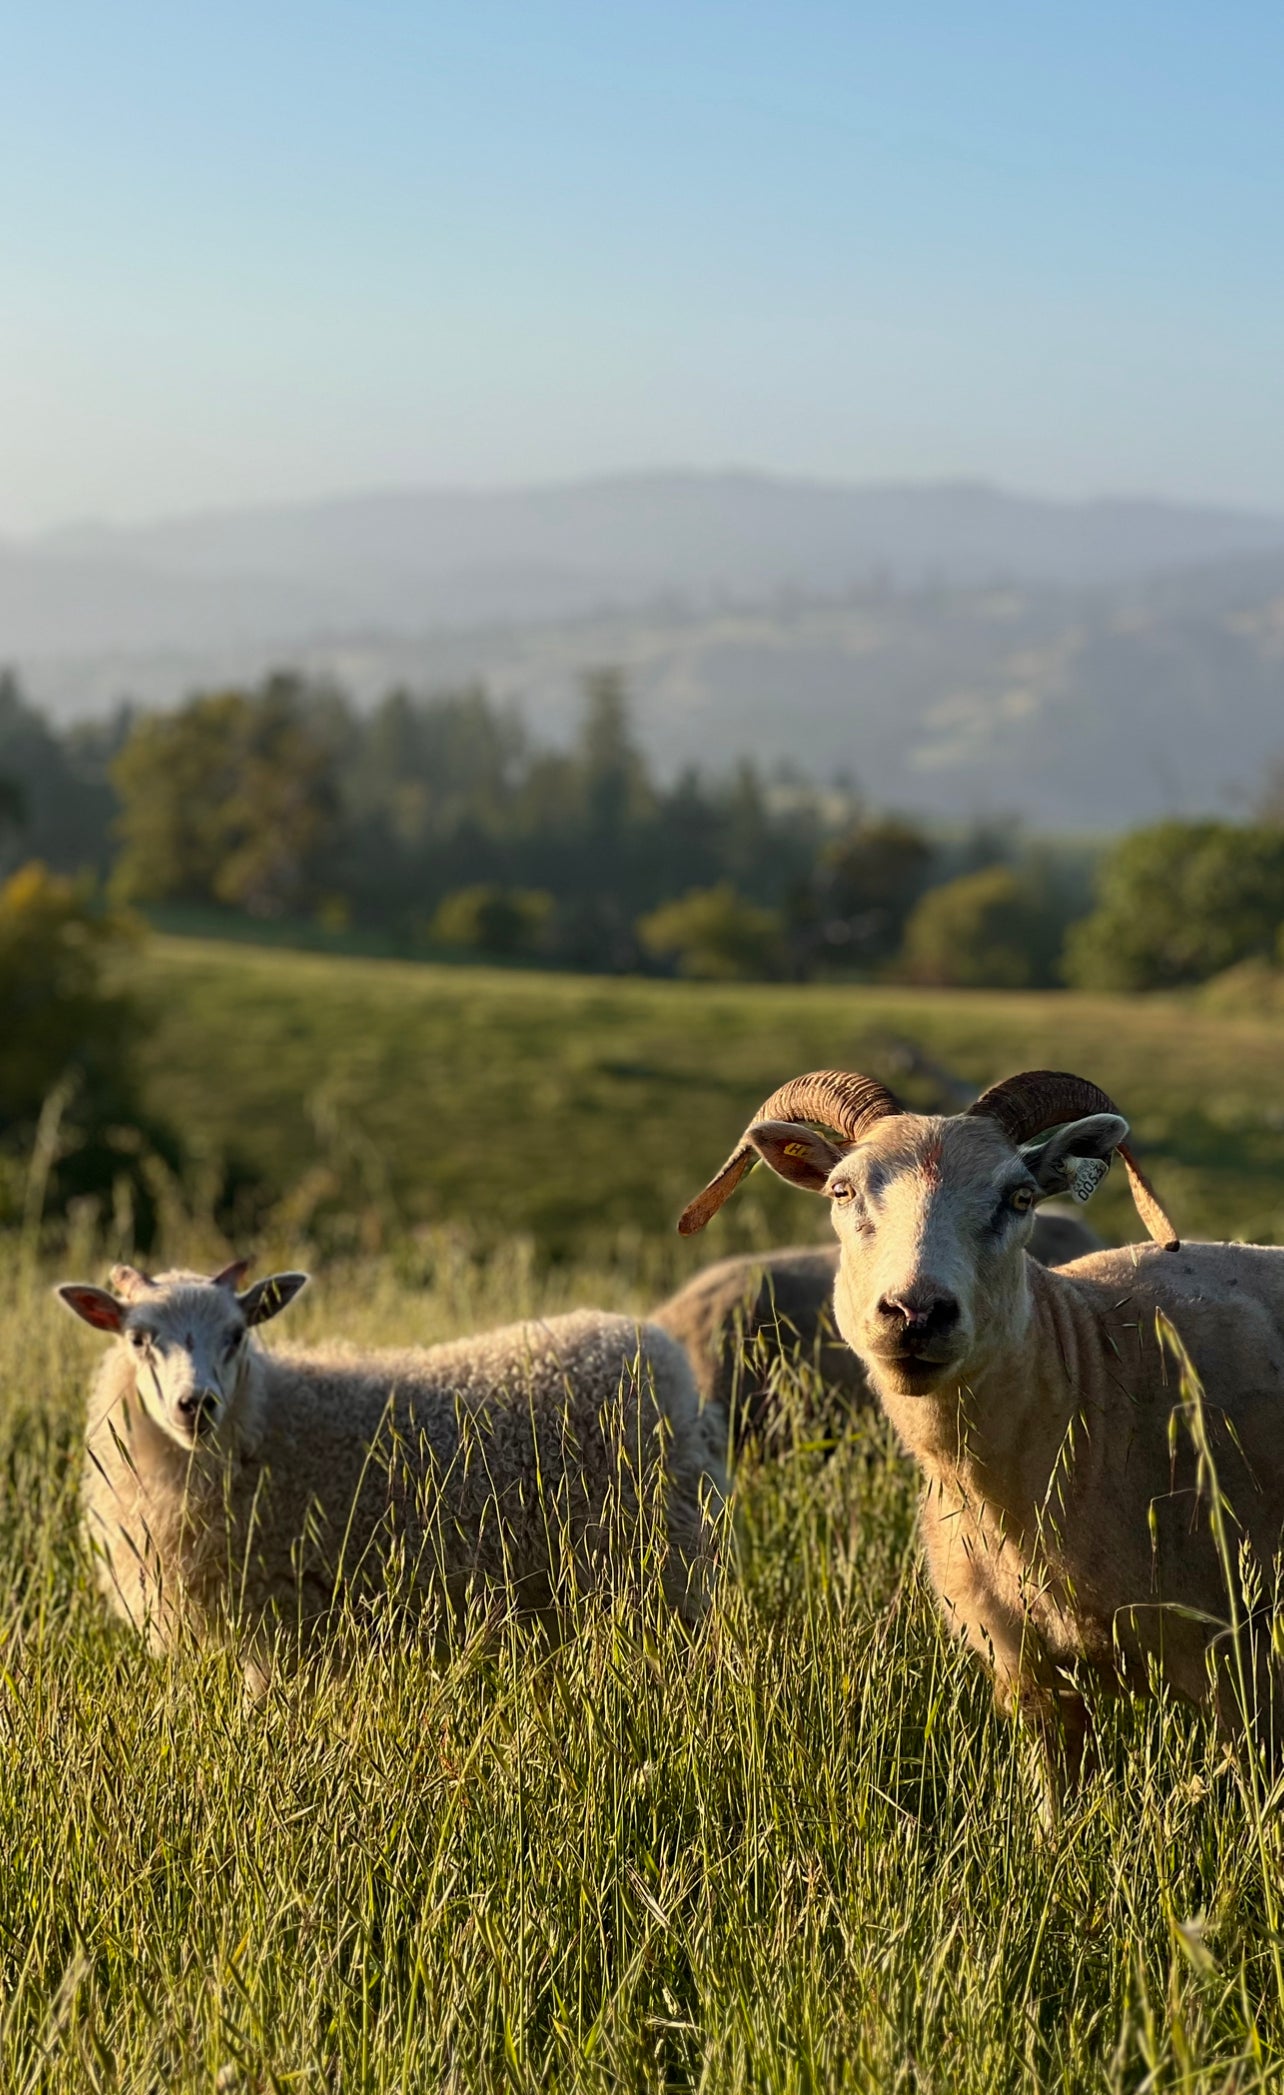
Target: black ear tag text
[[1084, 1175]]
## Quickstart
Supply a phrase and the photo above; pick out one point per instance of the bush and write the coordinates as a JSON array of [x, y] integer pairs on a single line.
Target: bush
[[229, 800], [985, 930], [55, 803], [1250, 989], [487, 919], [1178, 903], [713, 933], [58, 1014], [862, 890], [69, 1119]]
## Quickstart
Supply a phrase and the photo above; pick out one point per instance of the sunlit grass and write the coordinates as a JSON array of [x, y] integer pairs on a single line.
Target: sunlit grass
[[798, 1852], [364, 1099]]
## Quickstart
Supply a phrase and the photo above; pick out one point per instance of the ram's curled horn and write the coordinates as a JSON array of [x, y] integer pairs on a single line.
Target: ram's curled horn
[[828, 1098], [1037, 1099]]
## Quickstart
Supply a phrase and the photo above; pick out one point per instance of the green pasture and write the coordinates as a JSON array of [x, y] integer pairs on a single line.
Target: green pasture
[[581, 1112], [794, 1853]]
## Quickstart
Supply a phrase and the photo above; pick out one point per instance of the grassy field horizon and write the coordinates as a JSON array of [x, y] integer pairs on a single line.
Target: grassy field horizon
[[582, 1111]]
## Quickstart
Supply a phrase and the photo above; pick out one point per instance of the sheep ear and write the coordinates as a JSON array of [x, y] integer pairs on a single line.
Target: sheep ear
[[231, 1276], [1075, 1159], [92, 1305], [267, 1298], [796, 1153], [129, 1283]]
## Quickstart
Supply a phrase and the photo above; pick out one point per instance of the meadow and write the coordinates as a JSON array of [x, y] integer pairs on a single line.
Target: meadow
[[794, 1852], [580, 1112]]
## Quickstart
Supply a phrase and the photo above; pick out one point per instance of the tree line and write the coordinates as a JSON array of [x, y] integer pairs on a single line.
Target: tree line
[[438, 822]]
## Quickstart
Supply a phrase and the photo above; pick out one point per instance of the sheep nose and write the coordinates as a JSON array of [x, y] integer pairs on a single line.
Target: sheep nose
[[199, 1404], [921, 1312]]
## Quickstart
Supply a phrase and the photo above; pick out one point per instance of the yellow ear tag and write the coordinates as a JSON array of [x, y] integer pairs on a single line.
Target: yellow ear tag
[[796, 1149]]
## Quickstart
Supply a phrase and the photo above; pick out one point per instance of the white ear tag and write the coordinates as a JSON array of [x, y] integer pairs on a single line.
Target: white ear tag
[[1084, 1175]]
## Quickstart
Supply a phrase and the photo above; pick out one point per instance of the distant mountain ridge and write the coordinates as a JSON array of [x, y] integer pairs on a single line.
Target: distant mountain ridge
[[415, 560], [956, 650]]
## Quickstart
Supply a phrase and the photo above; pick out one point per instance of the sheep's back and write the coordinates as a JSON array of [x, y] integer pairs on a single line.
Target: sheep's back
[[565, 1365], [738, 1318], [468, 1456], [1225, 1301], [1139, 1526]]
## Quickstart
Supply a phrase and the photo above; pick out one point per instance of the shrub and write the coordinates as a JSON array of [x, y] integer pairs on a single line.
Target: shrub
[[713, 933], [1180, 902], [231, 799], [862, 890], [490, 919], [985, 930], [70, 1124], [58, 1013], [1252, 988]]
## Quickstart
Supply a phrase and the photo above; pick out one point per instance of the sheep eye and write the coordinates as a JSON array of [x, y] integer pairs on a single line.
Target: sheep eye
[[138, 1340], [1022, 1199], [849, 1196], [231, 1346]]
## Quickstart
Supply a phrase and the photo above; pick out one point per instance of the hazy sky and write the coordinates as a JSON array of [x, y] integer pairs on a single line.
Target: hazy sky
[[264, 250]]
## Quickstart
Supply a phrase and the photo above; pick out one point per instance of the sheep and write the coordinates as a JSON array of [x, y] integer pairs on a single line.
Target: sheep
[[1075, 1479], [739, 1318], [253, 1497], [742, 1316]]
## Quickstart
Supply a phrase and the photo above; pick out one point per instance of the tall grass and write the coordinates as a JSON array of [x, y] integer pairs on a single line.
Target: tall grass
[[795, 1852]]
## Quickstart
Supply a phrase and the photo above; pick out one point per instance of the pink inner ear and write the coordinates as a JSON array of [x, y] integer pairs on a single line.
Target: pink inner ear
[[94, 1306], [796, 1154], [231, 1276]]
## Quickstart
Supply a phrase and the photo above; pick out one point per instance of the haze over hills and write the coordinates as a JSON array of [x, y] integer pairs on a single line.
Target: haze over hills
[[955, 648], [420, 558]]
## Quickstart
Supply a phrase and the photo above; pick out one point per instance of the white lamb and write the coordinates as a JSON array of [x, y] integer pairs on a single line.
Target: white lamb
[[231, 1492]]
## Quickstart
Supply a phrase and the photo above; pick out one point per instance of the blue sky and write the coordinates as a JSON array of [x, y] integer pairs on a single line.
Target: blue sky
[[261, 251]]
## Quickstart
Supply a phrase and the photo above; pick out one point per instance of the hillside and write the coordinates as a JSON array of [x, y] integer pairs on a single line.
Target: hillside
[[955, 649], [582, 1112], [419, 557], [1076, 710], [794, 1849]]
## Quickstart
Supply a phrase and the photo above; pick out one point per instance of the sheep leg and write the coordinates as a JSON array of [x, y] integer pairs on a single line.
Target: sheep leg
[[256, 1681], [1055, 1715], [1061, 1725], [688, 1572], [963, 1558]]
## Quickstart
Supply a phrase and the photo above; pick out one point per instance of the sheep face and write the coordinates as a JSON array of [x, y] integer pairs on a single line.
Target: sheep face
[[189, 1348], [933, 1216], [187, 1340]]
